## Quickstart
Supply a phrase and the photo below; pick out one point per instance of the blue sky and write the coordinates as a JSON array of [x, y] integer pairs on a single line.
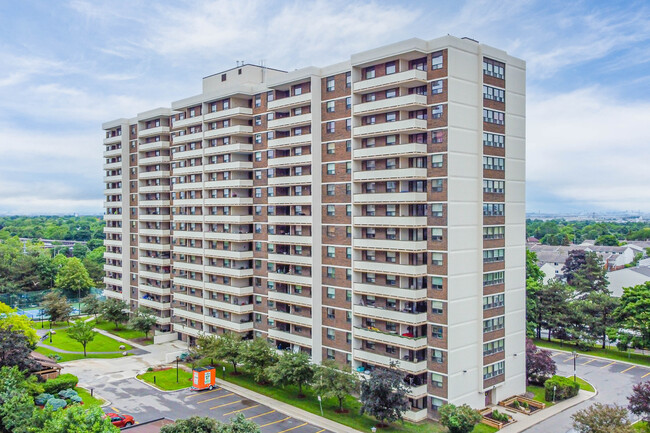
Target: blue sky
[[68, 66]]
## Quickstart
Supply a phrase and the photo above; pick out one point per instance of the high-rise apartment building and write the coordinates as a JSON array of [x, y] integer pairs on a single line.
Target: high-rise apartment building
[[368, 212]]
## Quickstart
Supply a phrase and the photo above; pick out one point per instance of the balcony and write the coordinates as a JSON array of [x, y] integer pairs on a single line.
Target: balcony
[[154, 203], [114, 256], [289, 180], [189, 267], [229, 113], [113, 294], [289, 219], [154, 189], [155, 290], [290, 258], [289, 199], [112, 268], [228, 131], [231, 290], [290, 121], [392, 315], [154, 261], [183, 123], [228, 148], [153, 174], [154, 247], [163, 320], [397, 173], [158, 130], [227, 166], [113, 165], [226, 306], [113, 281], [241, 237], [415, 415], [407, 149], [290, 278], [156, 305], [229, 201], [291, 101], [153, 275], [191, 315], [390, 245], [289, 141], [305, 301], [399, 126], [290, 160], [113, 229], [154, 232], [376, 359], [190, 169], [388, 81], [241, 219], [391, 339], [196, 136], [115, 178], [113, 152], [394, 197], [183, 329], [290, 318], [227, 324], [227, 254], [154, 160], [390, 268], [231, 272], [411, 102], [113, 140], [391, 292], [289, 239], [275, 333], [154, 145], [154, 217]]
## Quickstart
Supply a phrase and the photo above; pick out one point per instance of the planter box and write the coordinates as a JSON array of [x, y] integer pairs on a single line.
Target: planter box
[[487, 412], [533, 405]]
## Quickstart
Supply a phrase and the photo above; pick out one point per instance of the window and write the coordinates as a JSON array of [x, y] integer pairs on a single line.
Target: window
[[258, 120], [391, 210], [494, 68], [258, 100], [437, 136], [493, 255], [370, 72], [436, 234], [391, 93], [436, 380], [493, 140], [494, 370], [330, 84], [348, 103], [436, 87], [436, 283], [258, 192], [493, 186], [494, 163], [437, 332], [258, 138], [331, 272], [331, 231], [436, 209], [391, 164], [437, 307], [348, 167], [330, 334], [297, 90], [495, 117], [348, 274], [331, 314], [437, 356], [348, 232], [391, 117], [330, 128], [436, 61], [437, 185], [331, 189], [330, 106], [331, 168], [436, 259], [493, 347], [493, 209], [497, 232], [436, 404], [493, 301], [348, 79], [348, 124], [437, 160], [494, 93], [391, 257], [331, 148], [370, 278], [391, 68], [436, 111], [258, 156], [348, 210], [331, 291], [493, 278]]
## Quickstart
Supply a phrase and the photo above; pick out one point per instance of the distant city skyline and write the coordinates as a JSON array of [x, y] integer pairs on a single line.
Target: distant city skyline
[[71, 67]]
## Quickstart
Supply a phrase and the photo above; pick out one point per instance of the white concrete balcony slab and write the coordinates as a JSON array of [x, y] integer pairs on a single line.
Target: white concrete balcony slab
[[154, 290], [387, 81], [289, 239], [289, 337], [391, 339], [113, 140], [227, 306], [154, 189], [289, 141], [228, 131], [231, 290], [229, 201], [223, 254], [190, 299], [289, 199], [232, 219], [112, 268], [113, 294], [399, 126], [397, 173], [392, 315], [155, 305], [289, 180], [154, 203], [154, 145], [189, 121], [415, 415], [112, 242], [195, 251], [114, 281], [189, 267], [163, 320], [182, 281], [113, 229], [289, 219], [113, 256], [391, 104], [305, 301], [154, 232], [390, 245], [188, 202], [290, 121], [183, 329], [113, 203], [113, 165], [391, 292], [151, 132], [187, 138], [229, 166], [154, 261], [190, 153], [153, 275], [290, 258], [191, 315], [290, 160], [290, 318], [290, 278], [112, 152], [228, 148], [406, 149], [111, 179], [227, 324], [154, 160], [231, 272], [418, 391], [394, 197], [154, 174], [291, 101], [377, 359], [237, 237], [192, 169], [154, 247], [154, 217], [188, 218], [229, 113], [390, 268]]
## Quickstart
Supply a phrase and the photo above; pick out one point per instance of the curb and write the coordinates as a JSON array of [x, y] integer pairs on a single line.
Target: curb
[[98, 396], [541, 420], [596, 357]]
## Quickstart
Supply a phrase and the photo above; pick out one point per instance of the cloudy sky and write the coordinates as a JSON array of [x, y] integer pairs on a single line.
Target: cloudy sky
[[67, 66]]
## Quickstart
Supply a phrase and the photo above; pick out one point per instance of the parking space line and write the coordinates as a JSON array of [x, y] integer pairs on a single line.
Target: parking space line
[[589, 362], [115, 410], [203, 393], [320, 431], [628, 369], [292, 428], [215, 398], [613, 362], [262, 414], [226, 404], [647, 374], [552, 356], [240, 410], [275, 422]]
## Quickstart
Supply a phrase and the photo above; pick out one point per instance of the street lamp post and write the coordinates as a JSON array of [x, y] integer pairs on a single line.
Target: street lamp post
[[50, 329], [177, 359], [575, 355]]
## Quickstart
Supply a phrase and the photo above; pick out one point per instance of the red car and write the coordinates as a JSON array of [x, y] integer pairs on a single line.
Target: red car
[[120, 421]]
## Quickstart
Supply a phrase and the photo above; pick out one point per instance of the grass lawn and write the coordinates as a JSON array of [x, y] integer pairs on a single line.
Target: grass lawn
[[539, 394], [73, 356], [166, 380], [584, 384], [613, 354], [351, 419], [101, 343], [641, 426], [88, 400], [123, 331]]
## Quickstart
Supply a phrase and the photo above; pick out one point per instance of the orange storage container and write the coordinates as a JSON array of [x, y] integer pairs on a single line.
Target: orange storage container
[[203, 378]]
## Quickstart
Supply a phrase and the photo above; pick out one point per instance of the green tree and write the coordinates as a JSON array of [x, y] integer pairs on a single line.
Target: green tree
[[142, 320], [383, 395], [74, 419], [585, 272], [82, 332], [330, 382], [16, 400], [552, 309], [17, 322], [602, 418], [292, 368], [633, 313], [532, 269], [93, 305], [229, 347], [116, 311], [194, 424], [258, 355], [15, 349], [597, 315], [459, 419], [73, 277], [608, 240], [56, 307], [46, 270], [79, 251]]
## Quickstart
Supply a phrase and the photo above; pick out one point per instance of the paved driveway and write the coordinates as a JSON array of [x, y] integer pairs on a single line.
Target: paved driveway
[[613, 381]]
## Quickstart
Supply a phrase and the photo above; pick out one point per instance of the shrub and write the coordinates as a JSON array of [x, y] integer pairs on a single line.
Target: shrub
[[64, 381], [525, 404], [516, 404], [565, 388], [68, 393], [57, 403], [76, 399], [459, 419], [498, 416], [41, 399]]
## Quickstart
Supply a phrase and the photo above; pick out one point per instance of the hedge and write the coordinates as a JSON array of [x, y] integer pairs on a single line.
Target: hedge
[[565, 388], [64, 381]]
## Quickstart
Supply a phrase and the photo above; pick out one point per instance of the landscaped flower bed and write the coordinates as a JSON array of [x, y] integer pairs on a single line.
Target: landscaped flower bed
[[522, 404], [496, 419]]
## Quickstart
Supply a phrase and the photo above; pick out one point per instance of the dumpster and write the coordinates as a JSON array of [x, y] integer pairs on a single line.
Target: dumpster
[[203, 378]]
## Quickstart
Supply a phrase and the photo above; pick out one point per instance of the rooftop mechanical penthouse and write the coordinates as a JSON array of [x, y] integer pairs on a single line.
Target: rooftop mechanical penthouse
[[369, 211]]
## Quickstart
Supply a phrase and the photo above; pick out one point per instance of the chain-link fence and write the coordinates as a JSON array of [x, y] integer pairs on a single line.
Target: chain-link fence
[[28, 301]]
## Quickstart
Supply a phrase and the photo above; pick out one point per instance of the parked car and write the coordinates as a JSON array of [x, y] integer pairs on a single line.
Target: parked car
[[120, 420]]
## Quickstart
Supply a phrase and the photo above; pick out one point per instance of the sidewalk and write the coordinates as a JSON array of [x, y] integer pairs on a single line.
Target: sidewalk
[[287, 409], [525, 422]]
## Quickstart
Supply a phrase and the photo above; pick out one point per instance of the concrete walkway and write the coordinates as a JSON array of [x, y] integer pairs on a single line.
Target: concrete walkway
[[287, 409]]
